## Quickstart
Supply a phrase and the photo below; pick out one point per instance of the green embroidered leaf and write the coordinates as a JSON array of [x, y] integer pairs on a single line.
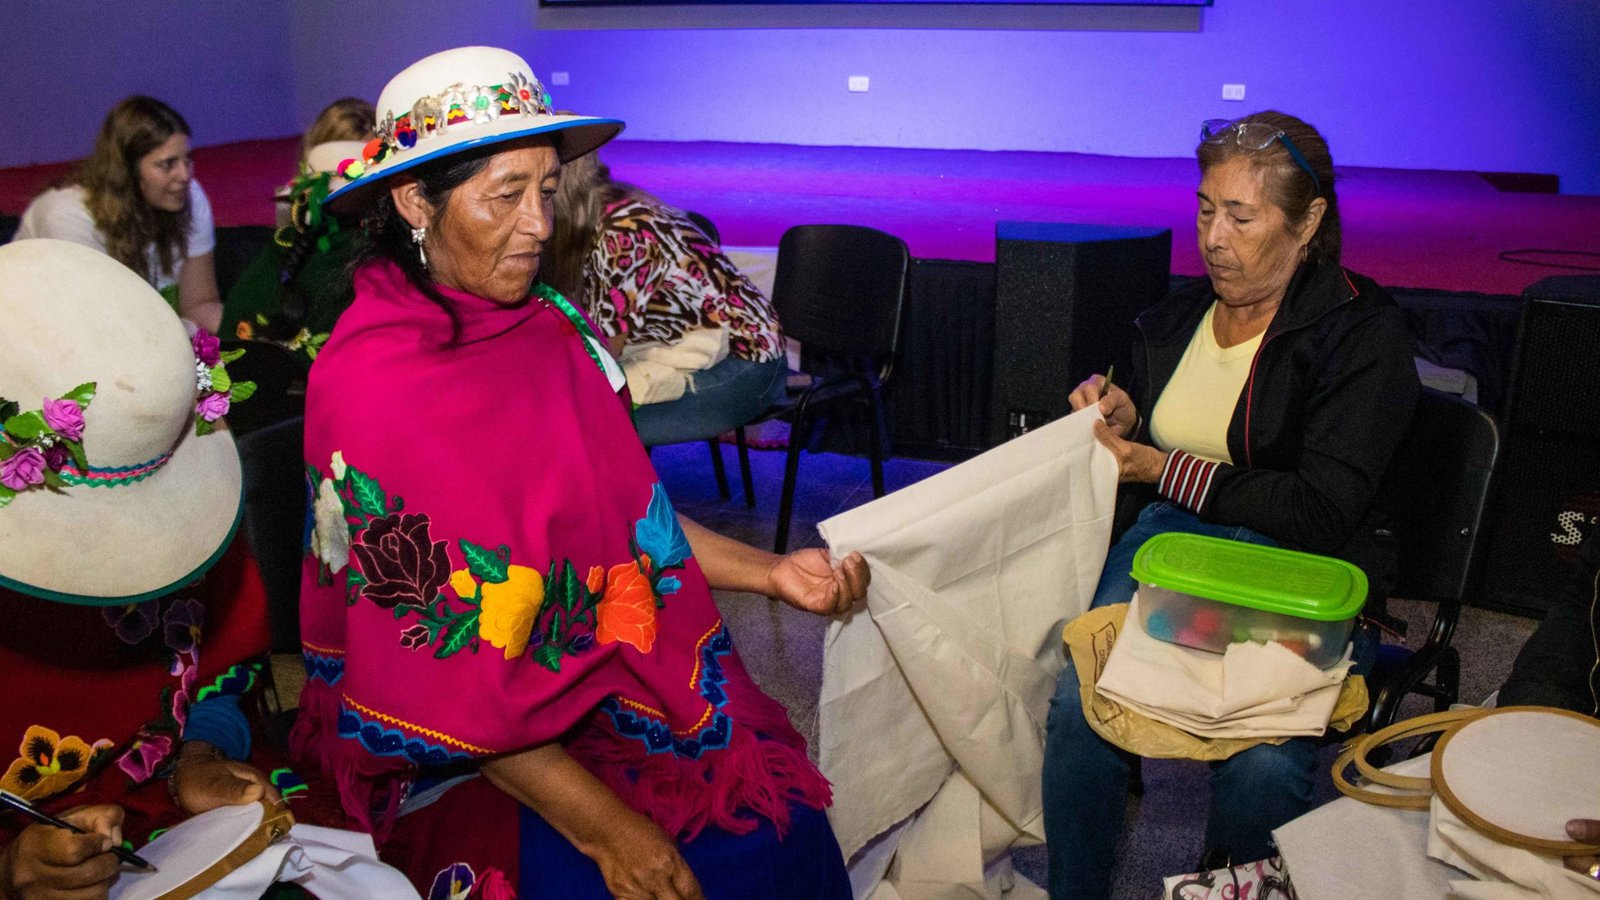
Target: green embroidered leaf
[[369, 496], [241, 391], [353, 583], [6, 451], [220, 382], [549, 656], [400, 612], [5, 495], [232, 355], [203, 428], [53, 480], [458, 634], [484, 563], [82, 394], [27, 426], [566, 586]]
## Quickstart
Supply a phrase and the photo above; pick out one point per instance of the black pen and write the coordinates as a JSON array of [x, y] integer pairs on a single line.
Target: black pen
[[20, 805]]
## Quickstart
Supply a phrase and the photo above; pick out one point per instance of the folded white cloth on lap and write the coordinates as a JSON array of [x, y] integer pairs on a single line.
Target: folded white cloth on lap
[[1503, 872], [660, 373], [1253, 690]]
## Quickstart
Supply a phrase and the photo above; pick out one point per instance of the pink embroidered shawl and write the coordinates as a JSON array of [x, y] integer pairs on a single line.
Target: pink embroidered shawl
[[493, 566]]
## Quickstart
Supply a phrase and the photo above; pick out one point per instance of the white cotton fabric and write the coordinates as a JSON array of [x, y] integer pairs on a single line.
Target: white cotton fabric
[[63, 213], [661, 373], [1251, 691], [935, 693]]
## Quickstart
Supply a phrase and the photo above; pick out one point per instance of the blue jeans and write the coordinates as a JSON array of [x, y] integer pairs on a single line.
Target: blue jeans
[[1086, 777], [718, 400]]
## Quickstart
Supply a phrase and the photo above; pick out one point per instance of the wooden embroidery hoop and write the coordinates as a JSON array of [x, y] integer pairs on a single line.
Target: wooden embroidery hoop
[[1462, 738], [1416, 792]]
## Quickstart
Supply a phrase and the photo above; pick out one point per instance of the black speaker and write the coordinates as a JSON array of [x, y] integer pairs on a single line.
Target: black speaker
[[1548, 486], [1065, 300]]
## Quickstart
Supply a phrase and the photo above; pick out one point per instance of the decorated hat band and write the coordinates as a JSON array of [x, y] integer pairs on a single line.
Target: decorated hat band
[[457, 106], [43, 448]]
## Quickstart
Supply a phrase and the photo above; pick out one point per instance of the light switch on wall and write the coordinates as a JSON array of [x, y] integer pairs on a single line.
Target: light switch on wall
[[560, 78], [1233, 92], [858, 84]]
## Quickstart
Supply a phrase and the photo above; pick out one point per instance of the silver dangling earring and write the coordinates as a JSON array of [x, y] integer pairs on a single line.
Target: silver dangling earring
[[418, 235]]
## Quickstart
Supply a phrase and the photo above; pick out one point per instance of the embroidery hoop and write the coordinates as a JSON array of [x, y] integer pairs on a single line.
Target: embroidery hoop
[[1494, 740], [229, 836]]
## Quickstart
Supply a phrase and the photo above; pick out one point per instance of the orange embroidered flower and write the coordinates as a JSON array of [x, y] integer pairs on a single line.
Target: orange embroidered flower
[[49, 763], [596, 580], [508, 608], [628, 609]]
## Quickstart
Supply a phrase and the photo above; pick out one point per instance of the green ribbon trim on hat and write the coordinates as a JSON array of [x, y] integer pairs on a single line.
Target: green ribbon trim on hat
[[132, 599]]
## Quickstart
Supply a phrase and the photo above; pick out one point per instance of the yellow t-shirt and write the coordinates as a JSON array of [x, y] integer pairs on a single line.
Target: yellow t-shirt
[[1194, 410]]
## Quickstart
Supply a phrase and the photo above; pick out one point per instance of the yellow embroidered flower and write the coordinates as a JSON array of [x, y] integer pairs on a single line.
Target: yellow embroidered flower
[[509, 608], [49, 763], [466, 587]]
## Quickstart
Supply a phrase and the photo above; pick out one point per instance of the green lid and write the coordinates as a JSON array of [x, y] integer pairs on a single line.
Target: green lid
[[1266, 578]]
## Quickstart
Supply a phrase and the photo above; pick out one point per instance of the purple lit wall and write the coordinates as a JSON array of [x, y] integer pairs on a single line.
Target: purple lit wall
[[1446, 84], [1443, 84], [224, 66]]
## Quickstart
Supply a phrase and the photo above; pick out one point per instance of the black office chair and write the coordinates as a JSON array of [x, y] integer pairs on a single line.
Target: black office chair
[[280, 379], [1435, 492], [839, 291]]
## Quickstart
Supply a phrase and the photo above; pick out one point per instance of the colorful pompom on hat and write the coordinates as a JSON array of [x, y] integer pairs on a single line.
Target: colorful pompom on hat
[[111, 494], [455, 101]]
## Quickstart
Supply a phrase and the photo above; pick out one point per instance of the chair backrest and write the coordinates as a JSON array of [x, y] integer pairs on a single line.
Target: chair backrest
[[280, 379], [1435, 492], [839, 289], [706, 226]]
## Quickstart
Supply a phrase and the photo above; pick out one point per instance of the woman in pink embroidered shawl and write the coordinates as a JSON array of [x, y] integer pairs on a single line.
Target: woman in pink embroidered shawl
[[517, 675]]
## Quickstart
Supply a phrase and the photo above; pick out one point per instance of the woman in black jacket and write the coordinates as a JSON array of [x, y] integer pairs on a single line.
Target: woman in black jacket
[[1272, 395]]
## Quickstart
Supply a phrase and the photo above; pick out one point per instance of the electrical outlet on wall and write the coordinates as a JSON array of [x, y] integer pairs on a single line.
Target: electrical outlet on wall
[[857, 84], [560, 78], [1233, 92]]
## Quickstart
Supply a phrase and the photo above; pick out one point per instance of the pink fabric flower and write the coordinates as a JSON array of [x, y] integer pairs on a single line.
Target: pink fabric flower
[[212, 406], [493, 885], [207, 348], [65, 417], [24, 469]]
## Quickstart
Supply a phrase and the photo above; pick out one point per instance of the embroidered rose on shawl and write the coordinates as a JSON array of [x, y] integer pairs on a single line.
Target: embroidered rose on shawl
[[134, 622], [454, 882], [402, 564], [509, 609], [330, 536], [416, 637], [628, 609], [47, 763]]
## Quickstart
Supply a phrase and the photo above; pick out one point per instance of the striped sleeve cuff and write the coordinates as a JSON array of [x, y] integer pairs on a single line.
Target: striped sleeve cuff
[[1186, 480]]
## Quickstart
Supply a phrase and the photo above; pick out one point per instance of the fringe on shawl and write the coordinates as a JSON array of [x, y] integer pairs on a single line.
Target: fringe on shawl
[[757, 776], [370, 787]]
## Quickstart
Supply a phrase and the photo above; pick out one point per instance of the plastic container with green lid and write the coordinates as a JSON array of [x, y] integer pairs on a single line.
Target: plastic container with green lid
[[1207, 593]]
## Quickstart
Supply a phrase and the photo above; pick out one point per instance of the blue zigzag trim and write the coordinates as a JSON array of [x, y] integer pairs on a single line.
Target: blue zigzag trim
[[328, 669], [380, 740], [657, 736]]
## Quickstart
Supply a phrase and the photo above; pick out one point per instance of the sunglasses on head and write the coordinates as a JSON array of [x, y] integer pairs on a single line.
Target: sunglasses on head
[[1256, 136]]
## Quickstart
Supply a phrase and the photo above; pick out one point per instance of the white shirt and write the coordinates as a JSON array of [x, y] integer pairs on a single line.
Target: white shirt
[[63, 213]]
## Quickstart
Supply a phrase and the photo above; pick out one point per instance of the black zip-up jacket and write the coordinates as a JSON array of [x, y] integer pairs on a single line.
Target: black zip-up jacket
[[1328, 399]]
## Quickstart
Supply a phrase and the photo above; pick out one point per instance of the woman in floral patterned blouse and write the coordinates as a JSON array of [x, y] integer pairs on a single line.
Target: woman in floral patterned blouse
[[649, 277]]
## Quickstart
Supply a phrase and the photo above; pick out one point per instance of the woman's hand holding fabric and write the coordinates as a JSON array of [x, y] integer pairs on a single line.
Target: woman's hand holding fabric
[[1136, 463], [45, 861], [640, 862], [1116, 406], [203, 781], [809, 580]]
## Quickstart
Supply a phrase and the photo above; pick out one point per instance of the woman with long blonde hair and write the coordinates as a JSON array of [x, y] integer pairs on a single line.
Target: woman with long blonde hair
[[135, 199]]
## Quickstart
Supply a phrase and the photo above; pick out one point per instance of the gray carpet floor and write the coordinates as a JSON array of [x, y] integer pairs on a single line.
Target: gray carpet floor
[[1162, 832]]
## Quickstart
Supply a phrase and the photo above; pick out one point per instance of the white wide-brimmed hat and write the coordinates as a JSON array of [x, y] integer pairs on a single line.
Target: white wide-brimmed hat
[[454, 101], [142, 505]]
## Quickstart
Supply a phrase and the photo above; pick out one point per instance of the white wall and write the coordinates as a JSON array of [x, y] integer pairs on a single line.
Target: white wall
[[223, 64]]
